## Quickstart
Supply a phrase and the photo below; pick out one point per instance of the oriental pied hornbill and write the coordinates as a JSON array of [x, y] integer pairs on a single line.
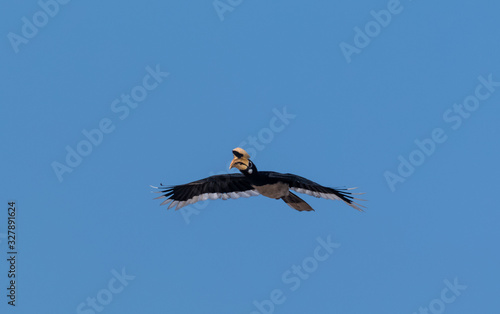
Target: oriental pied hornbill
[[251, 182]]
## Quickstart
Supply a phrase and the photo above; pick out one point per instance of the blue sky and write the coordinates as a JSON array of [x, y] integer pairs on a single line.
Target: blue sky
[[102, 99]]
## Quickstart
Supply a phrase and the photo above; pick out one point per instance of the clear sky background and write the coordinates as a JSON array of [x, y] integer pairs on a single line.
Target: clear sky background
[[403, 103]]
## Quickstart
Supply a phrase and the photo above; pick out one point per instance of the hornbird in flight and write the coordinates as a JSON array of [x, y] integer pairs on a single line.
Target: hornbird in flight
[[251, 182]]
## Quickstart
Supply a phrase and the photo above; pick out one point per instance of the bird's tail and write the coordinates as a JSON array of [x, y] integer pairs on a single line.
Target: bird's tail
[[296, 202]]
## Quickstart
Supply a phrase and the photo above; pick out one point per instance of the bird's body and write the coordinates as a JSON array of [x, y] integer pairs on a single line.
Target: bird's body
[[251, 182], [275, 190]]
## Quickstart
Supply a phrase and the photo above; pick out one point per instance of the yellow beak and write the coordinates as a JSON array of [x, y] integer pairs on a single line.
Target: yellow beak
[[241, 159], [239, 163]]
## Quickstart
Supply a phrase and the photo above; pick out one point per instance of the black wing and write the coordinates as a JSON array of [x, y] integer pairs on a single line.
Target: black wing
[[223, 186], [303, 185]]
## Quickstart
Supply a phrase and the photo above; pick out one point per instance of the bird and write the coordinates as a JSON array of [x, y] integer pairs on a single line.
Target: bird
[[252, 182]]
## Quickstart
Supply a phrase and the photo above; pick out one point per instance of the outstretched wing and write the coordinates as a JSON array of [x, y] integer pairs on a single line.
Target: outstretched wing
[[303, 185], [224, 186]]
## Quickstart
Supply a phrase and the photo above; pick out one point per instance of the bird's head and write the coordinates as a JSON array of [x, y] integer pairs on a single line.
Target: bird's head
[[241, 159]]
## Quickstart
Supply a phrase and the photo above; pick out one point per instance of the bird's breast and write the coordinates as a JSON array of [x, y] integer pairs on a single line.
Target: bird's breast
[[275, 190]]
